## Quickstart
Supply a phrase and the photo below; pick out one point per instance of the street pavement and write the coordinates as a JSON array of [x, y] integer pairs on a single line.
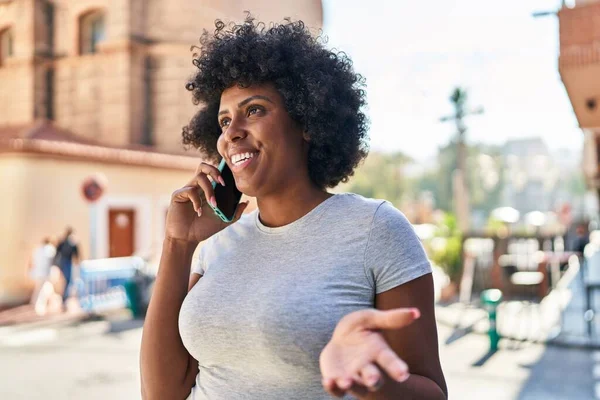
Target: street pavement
[[97, 360], [88, 360], [517, 371]]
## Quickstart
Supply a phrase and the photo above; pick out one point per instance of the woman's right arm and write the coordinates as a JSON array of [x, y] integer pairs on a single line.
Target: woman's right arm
[[167, 369]]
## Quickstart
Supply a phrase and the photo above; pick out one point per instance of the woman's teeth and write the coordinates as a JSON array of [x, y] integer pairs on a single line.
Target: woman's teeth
[[240, 158]]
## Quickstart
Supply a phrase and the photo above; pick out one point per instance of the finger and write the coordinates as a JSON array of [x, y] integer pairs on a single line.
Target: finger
[[189, 193], [371, 377], [202, 181], [330, 387], [210, 170], [389, 319], [389, 361], [343, 383]]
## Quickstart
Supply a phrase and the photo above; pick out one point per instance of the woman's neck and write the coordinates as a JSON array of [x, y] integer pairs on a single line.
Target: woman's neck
[[290, 205]]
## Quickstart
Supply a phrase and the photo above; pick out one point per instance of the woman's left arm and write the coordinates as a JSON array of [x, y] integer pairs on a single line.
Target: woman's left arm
[[390, 352], [416, 344], [399, 335]]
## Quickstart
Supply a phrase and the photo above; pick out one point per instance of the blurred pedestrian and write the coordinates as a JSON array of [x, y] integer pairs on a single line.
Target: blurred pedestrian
[[581, 239], [67, 255], [41, 262]]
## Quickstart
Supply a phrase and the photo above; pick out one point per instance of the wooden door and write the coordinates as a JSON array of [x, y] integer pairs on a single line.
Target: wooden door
[[121, 232]]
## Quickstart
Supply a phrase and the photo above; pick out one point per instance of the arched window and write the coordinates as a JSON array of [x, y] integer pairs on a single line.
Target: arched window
[[6, 45], [91, 32]]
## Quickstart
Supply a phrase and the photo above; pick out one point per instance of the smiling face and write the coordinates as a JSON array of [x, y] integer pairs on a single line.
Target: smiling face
[[262, 145]]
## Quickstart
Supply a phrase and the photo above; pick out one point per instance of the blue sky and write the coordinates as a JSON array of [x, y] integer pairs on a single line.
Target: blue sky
[[414, 52]]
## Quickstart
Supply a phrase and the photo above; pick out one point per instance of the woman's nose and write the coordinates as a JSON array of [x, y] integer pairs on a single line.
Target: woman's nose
[[235, 131]]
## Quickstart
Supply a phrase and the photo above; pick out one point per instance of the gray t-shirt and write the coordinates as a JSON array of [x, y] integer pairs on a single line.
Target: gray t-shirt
[[270, 298]]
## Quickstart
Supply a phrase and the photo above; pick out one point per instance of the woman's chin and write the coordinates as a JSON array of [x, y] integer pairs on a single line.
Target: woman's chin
[[254, 185], [246, 189]]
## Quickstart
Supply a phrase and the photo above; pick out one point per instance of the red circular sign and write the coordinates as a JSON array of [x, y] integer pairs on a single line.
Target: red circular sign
[[93, 188]]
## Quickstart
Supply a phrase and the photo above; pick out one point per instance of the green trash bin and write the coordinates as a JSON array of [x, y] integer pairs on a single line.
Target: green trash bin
[[132, 291], [490, 299]]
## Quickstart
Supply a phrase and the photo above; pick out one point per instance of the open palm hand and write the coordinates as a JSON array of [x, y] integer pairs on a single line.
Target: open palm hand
[[357, 353]]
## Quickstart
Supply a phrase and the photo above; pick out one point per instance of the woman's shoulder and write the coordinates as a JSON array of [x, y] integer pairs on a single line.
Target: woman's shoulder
[[357, 211], [377, 212], [369, 207], [358, 202]]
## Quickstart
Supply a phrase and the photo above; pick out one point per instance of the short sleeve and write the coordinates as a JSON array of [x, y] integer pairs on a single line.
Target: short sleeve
[[394, 253], [198, 265]]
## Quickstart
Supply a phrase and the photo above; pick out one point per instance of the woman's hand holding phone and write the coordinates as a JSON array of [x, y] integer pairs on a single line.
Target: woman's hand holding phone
[[189, 217]]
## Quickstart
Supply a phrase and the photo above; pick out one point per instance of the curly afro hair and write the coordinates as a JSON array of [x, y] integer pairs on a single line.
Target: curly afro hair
[[319, 87]]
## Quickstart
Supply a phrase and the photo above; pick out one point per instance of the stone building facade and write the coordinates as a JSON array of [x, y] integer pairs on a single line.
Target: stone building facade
[[98, 87], [114, 70]]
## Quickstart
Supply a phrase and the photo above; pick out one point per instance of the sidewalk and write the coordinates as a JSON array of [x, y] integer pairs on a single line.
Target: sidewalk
[[574, 326], [25, 315], [557, 320], [517, 371], [21, 325], [95, 360], [65, 326]]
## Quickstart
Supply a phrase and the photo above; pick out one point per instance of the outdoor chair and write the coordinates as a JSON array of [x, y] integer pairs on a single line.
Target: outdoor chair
[[521, 294]]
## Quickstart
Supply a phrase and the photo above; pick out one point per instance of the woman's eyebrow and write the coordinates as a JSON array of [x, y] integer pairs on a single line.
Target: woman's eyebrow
[[248, 100]]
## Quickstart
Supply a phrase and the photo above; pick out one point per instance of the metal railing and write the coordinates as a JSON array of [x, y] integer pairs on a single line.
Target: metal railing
[[101, 284]]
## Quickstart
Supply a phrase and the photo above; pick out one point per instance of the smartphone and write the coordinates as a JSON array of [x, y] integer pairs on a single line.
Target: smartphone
[[228, 196]]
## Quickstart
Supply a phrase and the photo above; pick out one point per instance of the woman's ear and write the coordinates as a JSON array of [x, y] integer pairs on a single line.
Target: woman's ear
[[306, 136]]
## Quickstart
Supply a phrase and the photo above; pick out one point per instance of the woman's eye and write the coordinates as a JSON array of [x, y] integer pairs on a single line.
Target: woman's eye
[[253, 110], [224, 122]]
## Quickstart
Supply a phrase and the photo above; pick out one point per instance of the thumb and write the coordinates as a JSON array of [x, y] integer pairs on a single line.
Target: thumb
[[391, 319], [240, 210]]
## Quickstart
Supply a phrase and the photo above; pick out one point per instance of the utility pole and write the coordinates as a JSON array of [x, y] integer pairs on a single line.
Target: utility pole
[[460, 192], [538, 14]]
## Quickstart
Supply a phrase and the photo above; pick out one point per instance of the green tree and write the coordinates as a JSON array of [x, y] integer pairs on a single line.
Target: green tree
[[575, 183], [381, 176], [485, 177], [482, 163], [448, 250]]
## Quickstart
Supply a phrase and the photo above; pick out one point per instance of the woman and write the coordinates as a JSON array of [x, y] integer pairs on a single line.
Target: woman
[[41, 262], [311, 293]]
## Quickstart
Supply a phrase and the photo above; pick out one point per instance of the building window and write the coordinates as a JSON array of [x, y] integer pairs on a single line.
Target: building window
[[91, 32], [49, 15], [50, 94], [6, 45]]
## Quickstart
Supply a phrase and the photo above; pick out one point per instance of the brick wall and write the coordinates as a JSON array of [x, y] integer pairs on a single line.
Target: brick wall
[[584, 2], [579, 60], [66, 22], [17, 73], [93, 91], [580, 25], [171, 105], [92, 96]]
